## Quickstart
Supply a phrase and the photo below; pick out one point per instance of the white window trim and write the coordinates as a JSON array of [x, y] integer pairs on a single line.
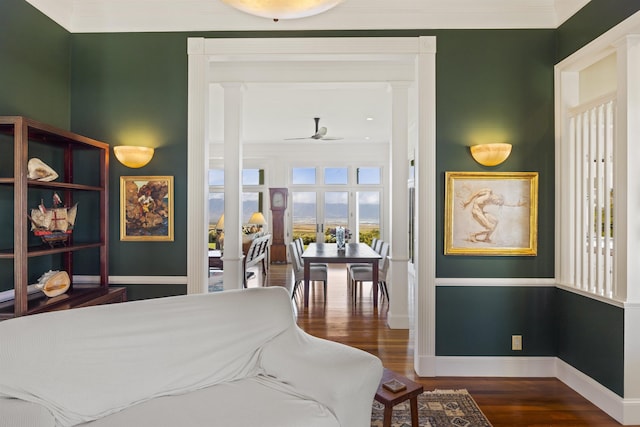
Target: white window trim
[[624, 40]]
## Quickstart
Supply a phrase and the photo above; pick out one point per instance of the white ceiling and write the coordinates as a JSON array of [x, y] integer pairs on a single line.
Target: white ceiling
[[89, 16], [275, 112]]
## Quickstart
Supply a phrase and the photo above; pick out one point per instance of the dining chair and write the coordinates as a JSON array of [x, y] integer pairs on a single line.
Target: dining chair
[[299, 244], [256, 256], [376, 244], [364, 273], [318, 272]]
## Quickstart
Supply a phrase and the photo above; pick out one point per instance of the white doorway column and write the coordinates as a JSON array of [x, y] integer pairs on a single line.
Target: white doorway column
[[424, 327], [232, 255], [398, 277], [197, 226], [626, 269]]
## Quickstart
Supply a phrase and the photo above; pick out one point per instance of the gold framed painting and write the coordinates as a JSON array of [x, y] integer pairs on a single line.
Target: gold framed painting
[[146, 208], [491, 213]]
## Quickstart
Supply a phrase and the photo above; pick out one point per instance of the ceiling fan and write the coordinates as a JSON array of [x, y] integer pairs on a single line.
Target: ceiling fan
[[320, 133]]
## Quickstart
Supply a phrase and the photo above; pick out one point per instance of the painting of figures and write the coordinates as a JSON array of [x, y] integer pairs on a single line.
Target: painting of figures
[[491, 213], [146, 208]]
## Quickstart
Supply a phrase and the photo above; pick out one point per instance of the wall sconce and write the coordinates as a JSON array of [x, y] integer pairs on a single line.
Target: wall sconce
[[490, 154], [132, 156]]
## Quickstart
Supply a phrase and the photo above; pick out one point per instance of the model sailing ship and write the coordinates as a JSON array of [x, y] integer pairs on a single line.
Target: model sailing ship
[[53, 225]]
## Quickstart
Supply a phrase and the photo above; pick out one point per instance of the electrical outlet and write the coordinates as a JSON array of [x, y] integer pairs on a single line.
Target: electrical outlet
[[516, 342]]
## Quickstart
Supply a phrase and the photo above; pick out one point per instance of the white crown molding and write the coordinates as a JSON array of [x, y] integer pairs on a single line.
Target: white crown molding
[[97, 16]]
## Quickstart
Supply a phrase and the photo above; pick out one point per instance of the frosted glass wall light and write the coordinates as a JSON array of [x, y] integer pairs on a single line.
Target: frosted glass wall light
[[490, 154], [132, 156]]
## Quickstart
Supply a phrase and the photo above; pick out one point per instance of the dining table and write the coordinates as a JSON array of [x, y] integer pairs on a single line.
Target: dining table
[[329, 253]]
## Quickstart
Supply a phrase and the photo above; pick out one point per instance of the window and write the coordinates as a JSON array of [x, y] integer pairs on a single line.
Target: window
[[252, 197], [252, 177], [324, 198], [303, 176], [368, 176], [216, 177], [251, 202], [368, 216], [216, 197], [334, 176]]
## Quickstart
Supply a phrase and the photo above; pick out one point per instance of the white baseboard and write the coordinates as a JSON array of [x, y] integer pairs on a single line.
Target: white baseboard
[[630, 412], [425, 366], [398, 322], [489, 366], [625, 411]]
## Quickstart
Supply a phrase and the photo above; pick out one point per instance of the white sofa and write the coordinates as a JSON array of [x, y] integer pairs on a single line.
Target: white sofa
[[234, 358]]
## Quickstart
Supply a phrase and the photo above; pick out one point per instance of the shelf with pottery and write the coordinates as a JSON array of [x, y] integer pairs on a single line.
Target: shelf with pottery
[[78, 175]]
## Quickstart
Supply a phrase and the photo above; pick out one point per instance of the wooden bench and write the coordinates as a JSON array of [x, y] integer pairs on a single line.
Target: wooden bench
[[257, 254]]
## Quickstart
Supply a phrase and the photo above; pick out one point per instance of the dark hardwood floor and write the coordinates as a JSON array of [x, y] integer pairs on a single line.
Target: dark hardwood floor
[[505, 401]]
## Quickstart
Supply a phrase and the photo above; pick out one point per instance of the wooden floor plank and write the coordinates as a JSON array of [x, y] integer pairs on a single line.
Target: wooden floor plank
[[507, 402]]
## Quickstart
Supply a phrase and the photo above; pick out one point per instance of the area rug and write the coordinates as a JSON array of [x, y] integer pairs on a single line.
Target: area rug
[[438, 408]]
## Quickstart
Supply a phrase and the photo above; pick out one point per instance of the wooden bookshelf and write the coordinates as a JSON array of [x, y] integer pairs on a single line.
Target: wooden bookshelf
[[24, 132]]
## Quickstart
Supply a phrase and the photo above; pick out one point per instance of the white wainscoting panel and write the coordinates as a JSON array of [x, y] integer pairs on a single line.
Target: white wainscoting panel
[[493, 366]]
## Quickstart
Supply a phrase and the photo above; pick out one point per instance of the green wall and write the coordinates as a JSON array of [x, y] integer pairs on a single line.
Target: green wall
[[593, 20], [590, 337], [496, 86], [479, 321], [131, 89], [34, 71], [35, 57]]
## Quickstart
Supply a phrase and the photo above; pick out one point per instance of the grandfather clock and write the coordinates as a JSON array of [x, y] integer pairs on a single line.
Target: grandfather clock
[[278, 198]]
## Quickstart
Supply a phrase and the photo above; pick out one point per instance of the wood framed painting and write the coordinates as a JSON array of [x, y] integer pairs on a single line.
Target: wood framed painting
[[491, 213], [146, 208]]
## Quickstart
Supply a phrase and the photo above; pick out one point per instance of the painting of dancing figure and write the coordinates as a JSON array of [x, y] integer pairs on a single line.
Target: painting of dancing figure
[[491, 213]]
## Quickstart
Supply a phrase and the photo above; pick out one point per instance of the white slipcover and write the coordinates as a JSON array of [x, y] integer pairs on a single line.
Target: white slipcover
[[225, 359]]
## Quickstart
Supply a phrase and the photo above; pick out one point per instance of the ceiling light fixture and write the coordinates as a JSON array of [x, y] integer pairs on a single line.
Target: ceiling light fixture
[[283, 9]]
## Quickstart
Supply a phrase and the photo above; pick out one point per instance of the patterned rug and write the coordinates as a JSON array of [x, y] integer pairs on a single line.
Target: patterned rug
[[438, 408]]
